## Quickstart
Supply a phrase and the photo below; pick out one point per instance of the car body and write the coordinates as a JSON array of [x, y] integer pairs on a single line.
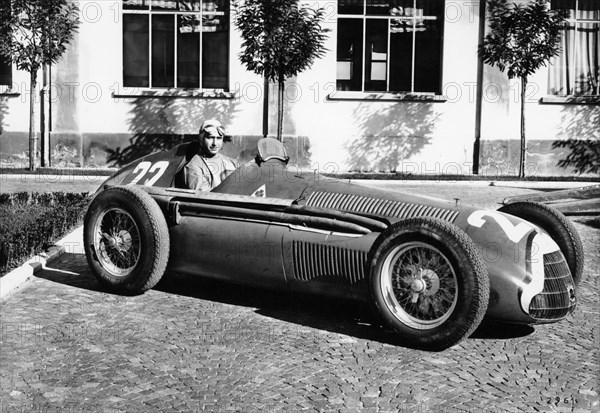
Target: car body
[[432, 268]]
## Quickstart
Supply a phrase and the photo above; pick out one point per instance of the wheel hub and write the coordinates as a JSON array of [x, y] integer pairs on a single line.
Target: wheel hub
[[121, 241], [113, 242], [426, 282], [418, 285]]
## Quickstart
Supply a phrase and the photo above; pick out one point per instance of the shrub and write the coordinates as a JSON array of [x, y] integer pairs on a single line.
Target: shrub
[[30, 222]]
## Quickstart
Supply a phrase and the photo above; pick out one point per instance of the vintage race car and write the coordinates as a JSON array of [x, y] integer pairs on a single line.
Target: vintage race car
[[432, 269]]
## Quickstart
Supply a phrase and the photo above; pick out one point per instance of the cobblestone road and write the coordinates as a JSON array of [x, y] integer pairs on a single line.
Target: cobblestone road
[[197, 345]]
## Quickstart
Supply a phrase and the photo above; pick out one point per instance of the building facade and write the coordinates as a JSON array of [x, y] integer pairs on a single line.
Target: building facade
[[400, 88]]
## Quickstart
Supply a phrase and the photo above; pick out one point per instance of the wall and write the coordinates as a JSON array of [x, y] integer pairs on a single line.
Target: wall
[[545, 124], [96, 121], [377, 135]]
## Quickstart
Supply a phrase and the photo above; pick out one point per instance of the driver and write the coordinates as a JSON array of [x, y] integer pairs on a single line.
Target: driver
[[208, 168]]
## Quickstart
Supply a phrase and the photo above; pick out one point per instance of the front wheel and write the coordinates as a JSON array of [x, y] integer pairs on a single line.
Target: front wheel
[[126, 239], [558, 226], [428, 282]]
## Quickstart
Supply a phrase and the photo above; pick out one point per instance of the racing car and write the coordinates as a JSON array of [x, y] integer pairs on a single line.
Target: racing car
[[431, 269]]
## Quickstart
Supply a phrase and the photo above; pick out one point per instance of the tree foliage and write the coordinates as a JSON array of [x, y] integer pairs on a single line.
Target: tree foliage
[[36, 32], [522, 37], [583, 156], [280, 39]]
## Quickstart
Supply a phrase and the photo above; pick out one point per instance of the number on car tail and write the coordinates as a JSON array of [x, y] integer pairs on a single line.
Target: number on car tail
[[152, 172]]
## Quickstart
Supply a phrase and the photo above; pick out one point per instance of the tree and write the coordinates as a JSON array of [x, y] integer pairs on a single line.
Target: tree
[[35, 33], [522, 39], [280, 40]]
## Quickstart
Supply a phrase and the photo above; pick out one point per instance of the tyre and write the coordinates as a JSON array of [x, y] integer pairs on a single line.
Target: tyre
[[428, 282], [126, 239], [560, 229]]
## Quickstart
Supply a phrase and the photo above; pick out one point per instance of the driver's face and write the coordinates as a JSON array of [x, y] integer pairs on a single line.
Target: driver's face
[[211, 141]]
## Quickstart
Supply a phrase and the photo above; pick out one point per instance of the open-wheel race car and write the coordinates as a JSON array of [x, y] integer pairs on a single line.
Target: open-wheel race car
[[432, 269]]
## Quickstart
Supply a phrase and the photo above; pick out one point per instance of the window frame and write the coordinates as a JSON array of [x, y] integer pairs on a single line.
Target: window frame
[[387, 93], [147, 9], [573, 21]]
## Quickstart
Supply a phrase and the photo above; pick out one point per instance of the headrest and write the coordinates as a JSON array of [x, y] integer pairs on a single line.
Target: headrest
[[271, 148]]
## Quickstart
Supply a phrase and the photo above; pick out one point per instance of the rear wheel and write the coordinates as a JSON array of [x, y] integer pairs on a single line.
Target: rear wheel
[[428, 282], [126, 239], [560, 229]]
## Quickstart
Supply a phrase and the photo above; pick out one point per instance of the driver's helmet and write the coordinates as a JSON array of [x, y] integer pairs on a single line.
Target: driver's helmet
[[213, 123]]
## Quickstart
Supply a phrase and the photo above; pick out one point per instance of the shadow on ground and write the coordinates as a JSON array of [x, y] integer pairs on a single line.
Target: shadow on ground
[[334, 315], [537, 189], [62, 273], [590, 221], [501, 331]]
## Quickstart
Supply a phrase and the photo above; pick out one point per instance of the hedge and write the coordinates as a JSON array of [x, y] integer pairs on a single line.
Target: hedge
[[31, 222]]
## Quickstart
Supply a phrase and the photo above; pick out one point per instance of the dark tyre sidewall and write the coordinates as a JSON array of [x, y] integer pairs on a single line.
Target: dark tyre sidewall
[[471, 280], [144, 211]]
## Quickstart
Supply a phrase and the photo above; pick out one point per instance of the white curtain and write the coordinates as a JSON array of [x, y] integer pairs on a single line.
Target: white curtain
[[576, 70]]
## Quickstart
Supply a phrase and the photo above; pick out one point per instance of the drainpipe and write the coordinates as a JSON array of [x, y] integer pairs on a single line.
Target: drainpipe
[[50, 114], [479, 95]]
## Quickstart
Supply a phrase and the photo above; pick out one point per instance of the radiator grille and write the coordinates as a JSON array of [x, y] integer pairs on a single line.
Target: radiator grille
[[557, 299], [377, 206], [329, 263]]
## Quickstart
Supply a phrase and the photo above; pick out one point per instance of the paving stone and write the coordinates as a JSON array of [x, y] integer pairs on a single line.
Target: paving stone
[[192, 344]]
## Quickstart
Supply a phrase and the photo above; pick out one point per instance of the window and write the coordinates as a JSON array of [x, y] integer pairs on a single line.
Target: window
[[576, 70], [393, 46], [5, 71], [182, 44]]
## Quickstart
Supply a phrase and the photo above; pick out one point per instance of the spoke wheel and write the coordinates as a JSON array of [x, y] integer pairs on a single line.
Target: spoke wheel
[[428, 282], [117, 241], [126, 239], [419, 284]]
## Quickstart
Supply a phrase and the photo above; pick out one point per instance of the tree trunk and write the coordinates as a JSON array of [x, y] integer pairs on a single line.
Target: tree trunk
[[266, 108], [523, 146], [280, 110], [44, 130], [32, 131]]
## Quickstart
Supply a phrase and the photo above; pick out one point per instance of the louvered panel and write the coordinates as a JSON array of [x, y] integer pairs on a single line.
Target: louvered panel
[[377, 206], [554, 302], [336, 200], [397, 208], [384, 208], [407, 210], [313, 260], [448, 215]]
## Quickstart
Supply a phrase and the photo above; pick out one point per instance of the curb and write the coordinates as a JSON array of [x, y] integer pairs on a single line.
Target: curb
[[391, 176], [17, 277], [75, 171], [398, 176], [554, 185]]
